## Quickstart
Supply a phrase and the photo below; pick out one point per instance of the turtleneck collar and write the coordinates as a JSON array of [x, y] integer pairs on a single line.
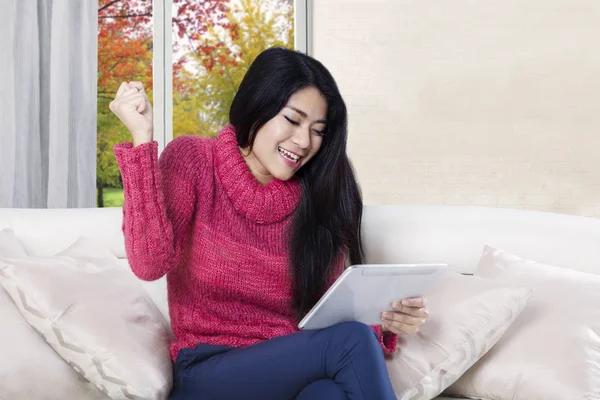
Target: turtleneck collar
[[262, 204]]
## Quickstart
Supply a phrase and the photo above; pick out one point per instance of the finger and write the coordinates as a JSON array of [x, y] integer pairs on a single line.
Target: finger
[[147, 108], [142, 106], [404, 318], [130, 91], [400, 328], [131, 95], [137, 99], [415, 302], [122, 88], [137, 85], [415, 312]]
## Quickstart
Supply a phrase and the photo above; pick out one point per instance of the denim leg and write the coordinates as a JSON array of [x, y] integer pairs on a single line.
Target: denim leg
[[348, 354], [323, 389]]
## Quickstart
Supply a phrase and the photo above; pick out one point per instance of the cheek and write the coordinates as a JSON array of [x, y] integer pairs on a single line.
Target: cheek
[[265, 137], [275, 131]]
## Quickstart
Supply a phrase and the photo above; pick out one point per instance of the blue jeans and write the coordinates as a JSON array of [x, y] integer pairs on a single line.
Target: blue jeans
[[344, 361]]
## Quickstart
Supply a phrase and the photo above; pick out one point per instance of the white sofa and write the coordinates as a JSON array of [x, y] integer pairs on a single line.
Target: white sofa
[[392, 234]]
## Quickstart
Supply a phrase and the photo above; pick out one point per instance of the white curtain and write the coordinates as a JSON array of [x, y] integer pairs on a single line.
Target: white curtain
[[48, 70]]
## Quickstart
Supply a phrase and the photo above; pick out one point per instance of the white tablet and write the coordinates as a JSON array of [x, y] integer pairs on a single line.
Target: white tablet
[[363, 292]]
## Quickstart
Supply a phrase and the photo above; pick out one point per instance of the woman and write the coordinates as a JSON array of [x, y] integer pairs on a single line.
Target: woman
[[251, 228]]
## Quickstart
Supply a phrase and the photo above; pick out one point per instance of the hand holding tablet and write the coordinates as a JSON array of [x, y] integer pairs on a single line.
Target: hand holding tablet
[[364, 292], [407, 316]]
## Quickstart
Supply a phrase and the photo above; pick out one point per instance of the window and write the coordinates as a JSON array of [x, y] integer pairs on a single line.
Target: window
[[195, 74], [124, 54]]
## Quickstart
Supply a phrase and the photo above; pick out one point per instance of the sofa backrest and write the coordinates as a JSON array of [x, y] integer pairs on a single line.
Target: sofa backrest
[[45, 232], [391, 234], [456, 235]]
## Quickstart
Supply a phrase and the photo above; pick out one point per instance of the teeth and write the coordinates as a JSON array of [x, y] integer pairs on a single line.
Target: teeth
[[288, 155]]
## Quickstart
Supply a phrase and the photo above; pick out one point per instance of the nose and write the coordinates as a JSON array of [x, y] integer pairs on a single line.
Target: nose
[[302, 138]]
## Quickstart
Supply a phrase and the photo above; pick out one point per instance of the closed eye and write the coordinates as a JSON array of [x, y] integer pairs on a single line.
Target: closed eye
[[291, 121], [295, 123]]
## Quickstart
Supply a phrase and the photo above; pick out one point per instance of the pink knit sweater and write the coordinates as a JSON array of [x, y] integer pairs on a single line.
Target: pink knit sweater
[[199, 216]]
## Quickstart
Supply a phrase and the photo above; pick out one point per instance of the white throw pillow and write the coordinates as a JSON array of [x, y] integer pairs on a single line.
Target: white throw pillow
[[10, 245], [29, 367], [96, 316], [552, 351], [468, 315]]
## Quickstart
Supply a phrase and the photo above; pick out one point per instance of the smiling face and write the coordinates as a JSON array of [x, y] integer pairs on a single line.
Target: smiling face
[[290, 139]]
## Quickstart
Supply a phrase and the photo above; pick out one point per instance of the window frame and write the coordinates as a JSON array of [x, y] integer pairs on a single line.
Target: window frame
[[162, 68]]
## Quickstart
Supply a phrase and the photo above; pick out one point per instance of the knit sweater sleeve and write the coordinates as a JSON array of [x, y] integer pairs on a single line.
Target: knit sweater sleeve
[[159, 203], [387, 340]]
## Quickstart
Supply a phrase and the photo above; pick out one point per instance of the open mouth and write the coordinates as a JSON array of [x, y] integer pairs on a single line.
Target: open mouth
[[288, 155]]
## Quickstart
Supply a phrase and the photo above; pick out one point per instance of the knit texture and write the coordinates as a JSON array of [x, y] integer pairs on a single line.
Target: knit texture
[[200, 216]]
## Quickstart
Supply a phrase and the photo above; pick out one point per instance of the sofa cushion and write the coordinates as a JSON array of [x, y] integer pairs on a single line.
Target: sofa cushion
[[468, 315], [96, 317], [157, 289], [29, 368], [552, 351], [10, 245]]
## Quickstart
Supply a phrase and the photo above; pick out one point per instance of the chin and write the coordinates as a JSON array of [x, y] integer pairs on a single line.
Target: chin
[[283, 177], [283, 174]]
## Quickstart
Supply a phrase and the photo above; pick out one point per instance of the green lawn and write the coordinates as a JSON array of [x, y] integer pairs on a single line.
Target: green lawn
[[113, 197]]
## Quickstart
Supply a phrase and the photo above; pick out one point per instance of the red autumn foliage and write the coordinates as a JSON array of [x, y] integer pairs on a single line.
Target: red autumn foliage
[[125, 38]]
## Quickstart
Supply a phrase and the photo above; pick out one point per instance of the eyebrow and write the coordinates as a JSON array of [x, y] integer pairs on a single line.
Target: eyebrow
[[304, 114]]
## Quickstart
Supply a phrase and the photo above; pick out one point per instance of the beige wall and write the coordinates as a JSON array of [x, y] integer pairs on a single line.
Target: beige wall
[[469, 102]]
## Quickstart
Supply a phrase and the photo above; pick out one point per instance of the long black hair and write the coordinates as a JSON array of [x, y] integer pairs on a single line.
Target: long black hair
[[327, 221]]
